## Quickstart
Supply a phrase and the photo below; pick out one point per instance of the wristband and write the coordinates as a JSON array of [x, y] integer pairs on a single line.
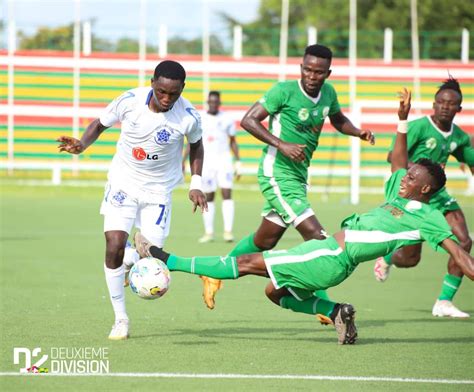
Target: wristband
[[402, 126], [237, 167], [196, 182]]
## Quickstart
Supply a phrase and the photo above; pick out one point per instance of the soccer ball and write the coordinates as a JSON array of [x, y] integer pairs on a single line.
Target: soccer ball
[[149, 278]]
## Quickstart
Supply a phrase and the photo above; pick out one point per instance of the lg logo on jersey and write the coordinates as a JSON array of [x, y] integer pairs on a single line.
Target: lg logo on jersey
[[140, 155]]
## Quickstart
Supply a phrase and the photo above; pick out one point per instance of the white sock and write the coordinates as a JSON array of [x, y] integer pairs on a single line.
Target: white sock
[[130, 257], [208, 218], [228, 214], [114, 279]]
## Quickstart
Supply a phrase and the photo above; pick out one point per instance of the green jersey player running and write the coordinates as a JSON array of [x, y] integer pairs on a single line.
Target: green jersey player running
[[436, 137], [406, 218], [297, 111]]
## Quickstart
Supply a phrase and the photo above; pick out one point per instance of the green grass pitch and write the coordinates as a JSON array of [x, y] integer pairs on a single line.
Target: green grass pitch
[[53, 294]]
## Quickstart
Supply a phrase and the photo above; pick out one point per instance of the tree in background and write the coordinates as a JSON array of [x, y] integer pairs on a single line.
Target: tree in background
[[440, 25]]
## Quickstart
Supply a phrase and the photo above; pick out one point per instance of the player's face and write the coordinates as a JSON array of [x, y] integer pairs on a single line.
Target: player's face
[[447, 103], [166, 92], [213, 103], [314, 71], [415, 184]]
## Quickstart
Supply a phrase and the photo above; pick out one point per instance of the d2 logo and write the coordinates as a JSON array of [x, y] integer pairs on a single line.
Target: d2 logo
[[28, 354]]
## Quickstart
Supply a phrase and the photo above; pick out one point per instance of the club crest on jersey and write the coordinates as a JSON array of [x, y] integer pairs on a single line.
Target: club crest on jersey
[[118, 198], [452, 146], [303, 114], [431, 143], [162, 136]]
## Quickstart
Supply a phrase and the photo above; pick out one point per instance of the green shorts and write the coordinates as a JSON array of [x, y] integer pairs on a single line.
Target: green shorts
[[287, 198], [444, 202], [312, 265]]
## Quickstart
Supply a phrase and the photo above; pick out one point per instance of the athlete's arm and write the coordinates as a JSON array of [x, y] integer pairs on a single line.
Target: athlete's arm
[[252, 123], [399, 157], [235, 150], [196, 158], [345, 126], [76, 146], [463, 259]]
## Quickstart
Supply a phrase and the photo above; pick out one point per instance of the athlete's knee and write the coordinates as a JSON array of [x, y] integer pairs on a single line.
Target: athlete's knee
[[272, 294], [408, 260], [265, 243], [466, 243], [251, 264], [114, 251]]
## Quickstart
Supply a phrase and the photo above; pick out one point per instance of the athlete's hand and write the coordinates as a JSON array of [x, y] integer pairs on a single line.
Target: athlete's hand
[[292, 150], [237, 170], [367, 135], [199, 200], [405, 104], [70, 145]]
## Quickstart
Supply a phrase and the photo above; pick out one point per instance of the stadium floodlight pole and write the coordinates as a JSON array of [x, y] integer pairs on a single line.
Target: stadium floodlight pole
[[355, 141], [11, 84], [387, 45], [163, 41], [86, 38], [206, 51], [312, 35], [237, 52], [76, 79], [285, 6], [415, 50], [465, 46], [142, 45]]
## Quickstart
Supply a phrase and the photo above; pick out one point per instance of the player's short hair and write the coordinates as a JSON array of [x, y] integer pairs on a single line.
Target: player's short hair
[[171, 70], [216, 93], [450, 84], [320, 51], [436, 172]]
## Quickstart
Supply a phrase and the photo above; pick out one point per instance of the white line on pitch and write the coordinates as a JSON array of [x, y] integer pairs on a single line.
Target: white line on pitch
[[249, 376]]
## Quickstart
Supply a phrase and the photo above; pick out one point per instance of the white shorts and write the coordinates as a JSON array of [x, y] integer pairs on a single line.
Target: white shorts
[[217, 173], [150, 213]]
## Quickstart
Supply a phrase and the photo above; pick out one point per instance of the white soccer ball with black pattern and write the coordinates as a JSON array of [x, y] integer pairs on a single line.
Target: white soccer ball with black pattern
[[149, 278]]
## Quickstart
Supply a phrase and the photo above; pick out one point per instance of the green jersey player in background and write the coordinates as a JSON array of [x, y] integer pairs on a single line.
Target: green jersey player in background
[[436, 137], [297, 111], [406, 218]]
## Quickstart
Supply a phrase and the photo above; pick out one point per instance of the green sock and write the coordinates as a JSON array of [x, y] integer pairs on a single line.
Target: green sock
[[450, 287], [245, 246], [313, 305], [213, 266], [388, 258], [322, 294]]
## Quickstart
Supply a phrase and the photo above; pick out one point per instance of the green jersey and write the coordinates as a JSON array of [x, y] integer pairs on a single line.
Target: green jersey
[[426, 140], [295, 117], [396, 223]]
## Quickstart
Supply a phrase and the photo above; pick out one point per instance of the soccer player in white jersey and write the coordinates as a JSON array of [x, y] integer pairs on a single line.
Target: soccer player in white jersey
[[218, 136], [144, 171]]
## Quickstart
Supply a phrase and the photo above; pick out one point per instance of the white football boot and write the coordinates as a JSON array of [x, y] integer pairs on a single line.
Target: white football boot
[[120, 330], [445, 308]]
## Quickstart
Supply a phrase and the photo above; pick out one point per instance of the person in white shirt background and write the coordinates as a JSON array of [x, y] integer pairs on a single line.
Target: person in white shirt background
[[218, 136], [144, 171]]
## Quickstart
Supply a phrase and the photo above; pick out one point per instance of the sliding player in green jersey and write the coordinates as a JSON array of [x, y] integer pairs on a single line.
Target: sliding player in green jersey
[[405, 218], [436, 137], [297, 111]]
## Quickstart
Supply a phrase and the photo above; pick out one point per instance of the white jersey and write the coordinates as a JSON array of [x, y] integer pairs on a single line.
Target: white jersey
[[216, 130], [149, 150]]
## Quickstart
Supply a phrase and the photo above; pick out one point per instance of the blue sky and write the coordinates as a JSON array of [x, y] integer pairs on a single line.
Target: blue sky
[[117, 18]]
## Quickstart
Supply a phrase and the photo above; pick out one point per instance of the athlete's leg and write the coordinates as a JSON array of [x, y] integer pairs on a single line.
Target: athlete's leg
[[311, 229], [266, 237], [452, 280], [208, 218], [227, 213], [407, 257]]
